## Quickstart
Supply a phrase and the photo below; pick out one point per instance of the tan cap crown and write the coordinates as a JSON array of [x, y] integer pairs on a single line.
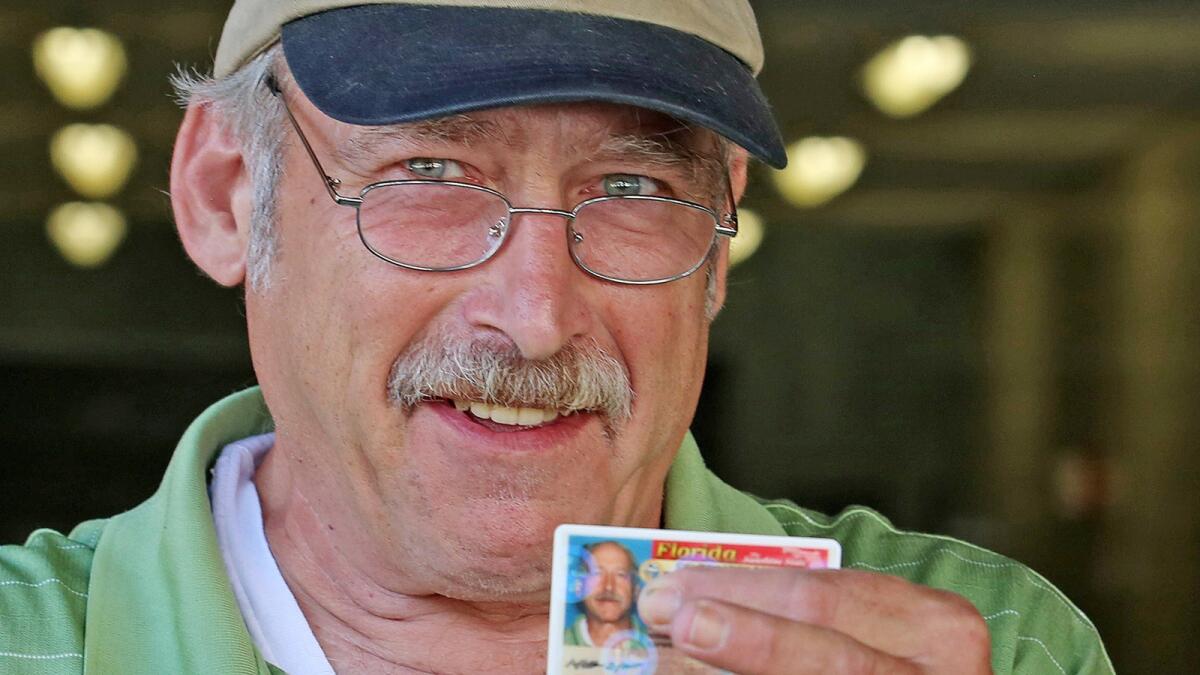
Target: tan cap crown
[[729, 24]]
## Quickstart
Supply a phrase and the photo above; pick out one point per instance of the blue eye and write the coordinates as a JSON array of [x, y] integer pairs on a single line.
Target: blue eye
[[620, 185], [429, 167]]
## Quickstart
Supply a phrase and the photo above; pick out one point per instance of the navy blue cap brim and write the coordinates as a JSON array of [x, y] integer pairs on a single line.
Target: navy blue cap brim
[[389, 64]]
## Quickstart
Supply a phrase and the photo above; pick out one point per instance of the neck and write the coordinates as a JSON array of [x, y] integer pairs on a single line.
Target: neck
[[367, 626], [364, 628], [389, 588]]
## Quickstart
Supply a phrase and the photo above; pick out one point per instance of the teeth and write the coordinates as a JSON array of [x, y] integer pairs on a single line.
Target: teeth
[[481, 410], [528, 417], [505, 415], [525, 417]]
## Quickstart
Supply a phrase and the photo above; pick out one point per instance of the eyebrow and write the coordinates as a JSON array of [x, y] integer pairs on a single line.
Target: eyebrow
[[701, 167], [677, 149], [457, 129]]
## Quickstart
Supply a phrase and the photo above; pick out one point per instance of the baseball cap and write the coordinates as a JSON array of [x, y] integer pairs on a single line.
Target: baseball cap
[[375, 63]]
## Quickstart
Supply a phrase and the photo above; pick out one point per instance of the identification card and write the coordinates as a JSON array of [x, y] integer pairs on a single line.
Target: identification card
[[599, 571]]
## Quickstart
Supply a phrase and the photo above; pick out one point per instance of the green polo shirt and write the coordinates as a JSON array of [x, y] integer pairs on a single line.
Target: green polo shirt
[[146, 591]]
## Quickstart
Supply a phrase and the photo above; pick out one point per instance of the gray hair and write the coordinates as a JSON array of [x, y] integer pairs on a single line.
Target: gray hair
[[255, 117], [581, 376]]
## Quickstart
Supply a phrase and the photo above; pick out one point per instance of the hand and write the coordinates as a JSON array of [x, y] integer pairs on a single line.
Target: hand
[[767, 621]]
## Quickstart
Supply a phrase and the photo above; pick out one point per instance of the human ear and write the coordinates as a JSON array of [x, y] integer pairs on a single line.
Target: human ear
[[738, 163], [210, 195]]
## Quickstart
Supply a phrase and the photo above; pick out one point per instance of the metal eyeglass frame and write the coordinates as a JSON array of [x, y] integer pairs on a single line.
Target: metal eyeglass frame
[[726, 225]]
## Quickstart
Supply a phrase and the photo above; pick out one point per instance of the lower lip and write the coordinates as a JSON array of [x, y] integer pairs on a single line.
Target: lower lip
[[513, 438]]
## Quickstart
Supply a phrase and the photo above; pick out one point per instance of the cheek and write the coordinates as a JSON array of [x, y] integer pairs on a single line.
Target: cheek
[[662, 334], [377, 313], [351, 299], [662, 337], [333, 318]]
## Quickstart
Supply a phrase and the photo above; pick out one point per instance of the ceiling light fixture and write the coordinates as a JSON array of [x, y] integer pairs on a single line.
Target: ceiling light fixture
[[819, 169], [912, 74], [95, 159], [86, 233], [81, 66]]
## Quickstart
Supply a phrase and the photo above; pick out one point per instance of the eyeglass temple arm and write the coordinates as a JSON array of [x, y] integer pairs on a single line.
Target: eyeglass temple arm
[[330, 182], [729, 222]]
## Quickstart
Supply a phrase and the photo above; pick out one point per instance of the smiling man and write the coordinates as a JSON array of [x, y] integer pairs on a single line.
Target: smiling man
[[481, 243]]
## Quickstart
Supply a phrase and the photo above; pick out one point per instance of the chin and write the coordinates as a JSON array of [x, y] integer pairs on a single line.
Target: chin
[[504, 554], [530, 585], [485, 530], [484, 576]]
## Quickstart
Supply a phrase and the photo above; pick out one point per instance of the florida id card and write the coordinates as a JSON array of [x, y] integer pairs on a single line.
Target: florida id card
[[599, 571]]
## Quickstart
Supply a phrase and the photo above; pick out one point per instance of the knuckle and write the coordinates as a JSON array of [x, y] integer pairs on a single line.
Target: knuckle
[[775, 651], [959, 607], [851, 662], [765, 645], [976, 632], [963, 618], [816, 593], [765, 659], [858, 662], [873, 663]]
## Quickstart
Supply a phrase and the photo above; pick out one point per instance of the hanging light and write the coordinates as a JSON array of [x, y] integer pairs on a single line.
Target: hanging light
[[819, 169], [86, 233], [95, 159], [81, 66], [911, 74]]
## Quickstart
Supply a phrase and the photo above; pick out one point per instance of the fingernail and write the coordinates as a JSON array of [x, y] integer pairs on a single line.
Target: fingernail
[[659, 603], [709, 627]]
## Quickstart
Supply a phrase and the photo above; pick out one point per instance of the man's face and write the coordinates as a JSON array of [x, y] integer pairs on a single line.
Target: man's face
[[466, 506], [610, 584]]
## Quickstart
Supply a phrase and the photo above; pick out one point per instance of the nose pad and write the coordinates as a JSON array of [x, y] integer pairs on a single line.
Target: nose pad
[[497, 232], [574, 239]]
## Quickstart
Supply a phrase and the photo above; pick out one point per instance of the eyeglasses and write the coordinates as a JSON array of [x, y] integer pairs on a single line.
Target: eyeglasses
[[442, 226]]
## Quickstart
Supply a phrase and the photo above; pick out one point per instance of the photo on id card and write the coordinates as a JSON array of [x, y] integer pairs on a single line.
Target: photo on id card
[[599, 571]]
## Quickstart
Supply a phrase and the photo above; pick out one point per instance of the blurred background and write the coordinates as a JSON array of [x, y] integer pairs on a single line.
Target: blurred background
[[973, 306]]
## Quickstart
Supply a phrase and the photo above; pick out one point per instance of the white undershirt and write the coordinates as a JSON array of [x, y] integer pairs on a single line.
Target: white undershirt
[[277, 626], [584, 632]]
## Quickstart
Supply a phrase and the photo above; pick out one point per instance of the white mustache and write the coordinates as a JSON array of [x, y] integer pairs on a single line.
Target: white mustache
[[579, 377]]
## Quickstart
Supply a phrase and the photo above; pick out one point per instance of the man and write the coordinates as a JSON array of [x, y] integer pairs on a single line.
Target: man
[[482, 242], [607, 607]]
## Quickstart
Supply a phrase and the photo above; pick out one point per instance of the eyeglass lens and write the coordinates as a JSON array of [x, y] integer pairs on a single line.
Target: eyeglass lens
[[430, 225], [446, 226]]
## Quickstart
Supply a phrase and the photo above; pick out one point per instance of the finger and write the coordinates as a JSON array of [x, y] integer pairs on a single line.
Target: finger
[[883, 612], [748, 642]]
